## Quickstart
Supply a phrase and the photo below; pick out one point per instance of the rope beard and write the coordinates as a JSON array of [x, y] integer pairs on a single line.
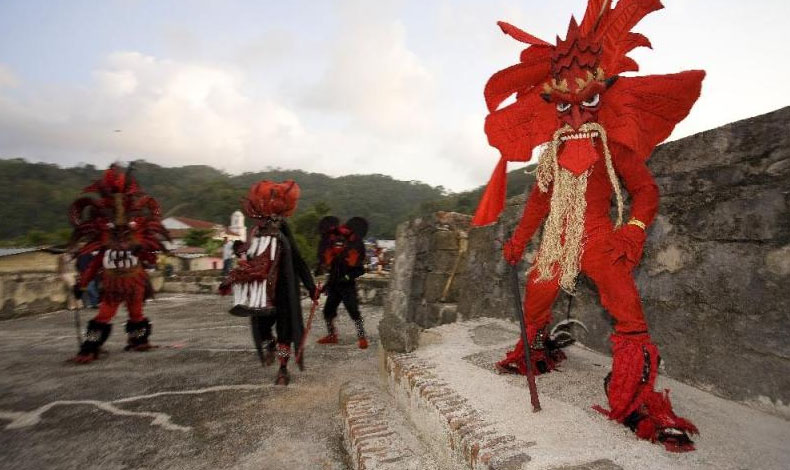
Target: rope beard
[[559, 256]]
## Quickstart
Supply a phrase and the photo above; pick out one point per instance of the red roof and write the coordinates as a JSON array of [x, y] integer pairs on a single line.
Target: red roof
[[195, 223]]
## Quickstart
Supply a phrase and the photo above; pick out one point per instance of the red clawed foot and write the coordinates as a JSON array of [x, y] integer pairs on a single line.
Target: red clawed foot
[[676, 440], [503, 367], [362, 343]]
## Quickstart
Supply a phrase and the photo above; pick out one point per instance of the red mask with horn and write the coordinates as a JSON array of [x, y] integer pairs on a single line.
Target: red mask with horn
[[122, 220], [571, 94]]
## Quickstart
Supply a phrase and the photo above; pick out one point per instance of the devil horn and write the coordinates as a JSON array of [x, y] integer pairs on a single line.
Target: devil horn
[[76, 208]]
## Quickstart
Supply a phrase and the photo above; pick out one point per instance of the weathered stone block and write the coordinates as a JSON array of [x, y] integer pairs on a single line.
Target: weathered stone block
[[398, 335], [446, 240]]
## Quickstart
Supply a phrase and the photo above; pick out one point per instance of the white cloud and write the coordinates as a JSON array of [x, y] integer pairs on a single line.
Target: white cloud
[[372, 77], [174, 113], [7, 78]]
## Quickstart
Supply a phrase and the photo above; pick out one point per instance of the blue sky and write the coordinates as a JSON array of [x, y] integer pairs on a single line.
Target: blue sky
[[347, 86]]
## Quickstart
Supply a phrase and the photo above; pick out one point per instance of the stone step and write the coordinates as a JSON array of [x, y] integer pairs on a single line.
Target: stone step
[[375, 435]]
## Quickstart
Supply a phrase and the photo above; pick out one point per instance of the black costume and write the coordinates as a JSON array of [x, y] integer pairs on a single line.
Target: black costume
[[341, 252]]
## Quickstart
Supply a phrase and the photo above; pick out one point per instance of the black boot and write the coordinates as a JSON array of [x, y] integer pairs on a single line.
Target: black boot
[[138, 333], [96, 334], [283, 377], [269, 352], [283, 353]]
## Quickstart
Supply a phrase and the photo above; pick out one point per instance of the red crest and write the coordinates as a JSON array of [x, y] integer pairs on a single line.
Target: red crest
[[268, 198]]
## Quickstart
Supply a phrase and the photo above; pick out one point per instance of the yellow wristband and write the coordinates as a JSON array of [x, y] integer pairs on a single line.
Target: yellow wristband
[[638, 223]]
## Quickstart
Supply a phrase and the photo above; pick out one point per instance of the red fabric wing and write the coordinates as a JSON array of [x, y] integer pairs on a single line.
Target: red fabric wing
[[514, 130], [519, 78], [641, 112]]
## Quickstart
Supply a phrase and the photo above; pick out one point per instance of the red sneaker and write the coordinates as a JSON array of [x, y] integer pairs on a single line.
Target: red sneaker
[[84, 358], [331, 338], [362, 343]]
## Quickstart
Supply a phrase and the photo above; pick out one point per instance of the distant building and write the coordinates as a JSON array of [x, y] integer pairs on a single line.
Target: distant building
[[192, 258], [179, 227]]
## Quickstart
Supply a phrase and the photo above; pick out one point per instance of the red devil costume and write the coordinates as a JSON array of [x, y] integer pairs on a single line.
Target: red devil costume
[[341, 253], [265, 286], [123, 225], [598, 129]]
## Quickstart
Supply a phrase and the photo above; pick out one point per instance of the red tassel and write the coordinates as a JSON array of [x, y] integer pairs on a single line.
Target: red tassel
[[493, 200]]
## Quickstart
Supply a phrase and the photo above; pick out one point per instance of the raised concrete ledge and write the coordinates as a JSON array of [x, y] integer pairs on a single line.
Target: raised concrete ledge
[[457, 433], [471, 416]]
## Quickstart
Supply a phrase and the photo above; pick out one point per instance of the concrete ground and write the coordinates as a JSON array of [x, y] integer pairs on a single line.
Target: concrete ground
[[199, 401]]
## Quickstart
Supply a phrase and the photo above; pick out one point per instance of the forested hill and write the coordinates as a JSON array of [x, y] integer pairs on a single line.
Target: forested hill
[[35, 196]]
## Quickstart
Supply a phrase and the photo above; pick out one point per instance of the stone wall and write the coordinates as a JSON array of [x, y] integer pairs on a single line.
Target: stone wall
[[372, 289], [430, 258], [715, 276], [27, 293], [30, 293], [193, 282]]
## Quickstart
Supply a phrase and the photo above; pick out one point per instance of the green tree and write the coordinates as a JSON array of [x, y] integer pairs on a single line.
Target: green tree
[[305, 228], [198, 237]]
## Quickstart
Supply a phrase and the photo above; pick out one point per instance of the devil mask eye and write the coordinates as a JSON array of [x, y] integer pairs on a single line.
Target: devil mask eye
[[562, 107], [592, 101]]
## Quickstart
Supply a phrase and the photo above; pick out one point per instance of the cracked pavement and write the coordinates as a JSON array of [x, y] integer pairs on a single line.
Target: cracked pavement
[[200, 400]]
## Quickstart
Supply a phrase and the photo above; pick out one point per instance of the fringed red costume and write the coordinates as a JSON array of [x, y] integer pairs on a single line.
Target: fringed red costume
[[598, 129], [123, 227]]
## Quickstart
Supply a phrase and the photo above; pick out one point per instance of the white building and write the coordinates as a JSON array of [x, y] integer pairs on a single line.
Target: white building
[[179, 227]]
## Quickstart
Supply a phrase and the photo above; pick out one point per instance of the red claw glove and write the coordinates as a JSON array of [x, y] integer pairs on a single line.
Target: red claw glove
[[225, 288], [626, 244], [512, 252]]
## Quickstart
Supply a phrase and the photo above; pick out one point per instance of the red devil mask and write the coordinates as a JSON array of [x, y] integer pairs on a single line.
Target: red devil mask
[[122, 218], [344, 240], [566, 90]]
